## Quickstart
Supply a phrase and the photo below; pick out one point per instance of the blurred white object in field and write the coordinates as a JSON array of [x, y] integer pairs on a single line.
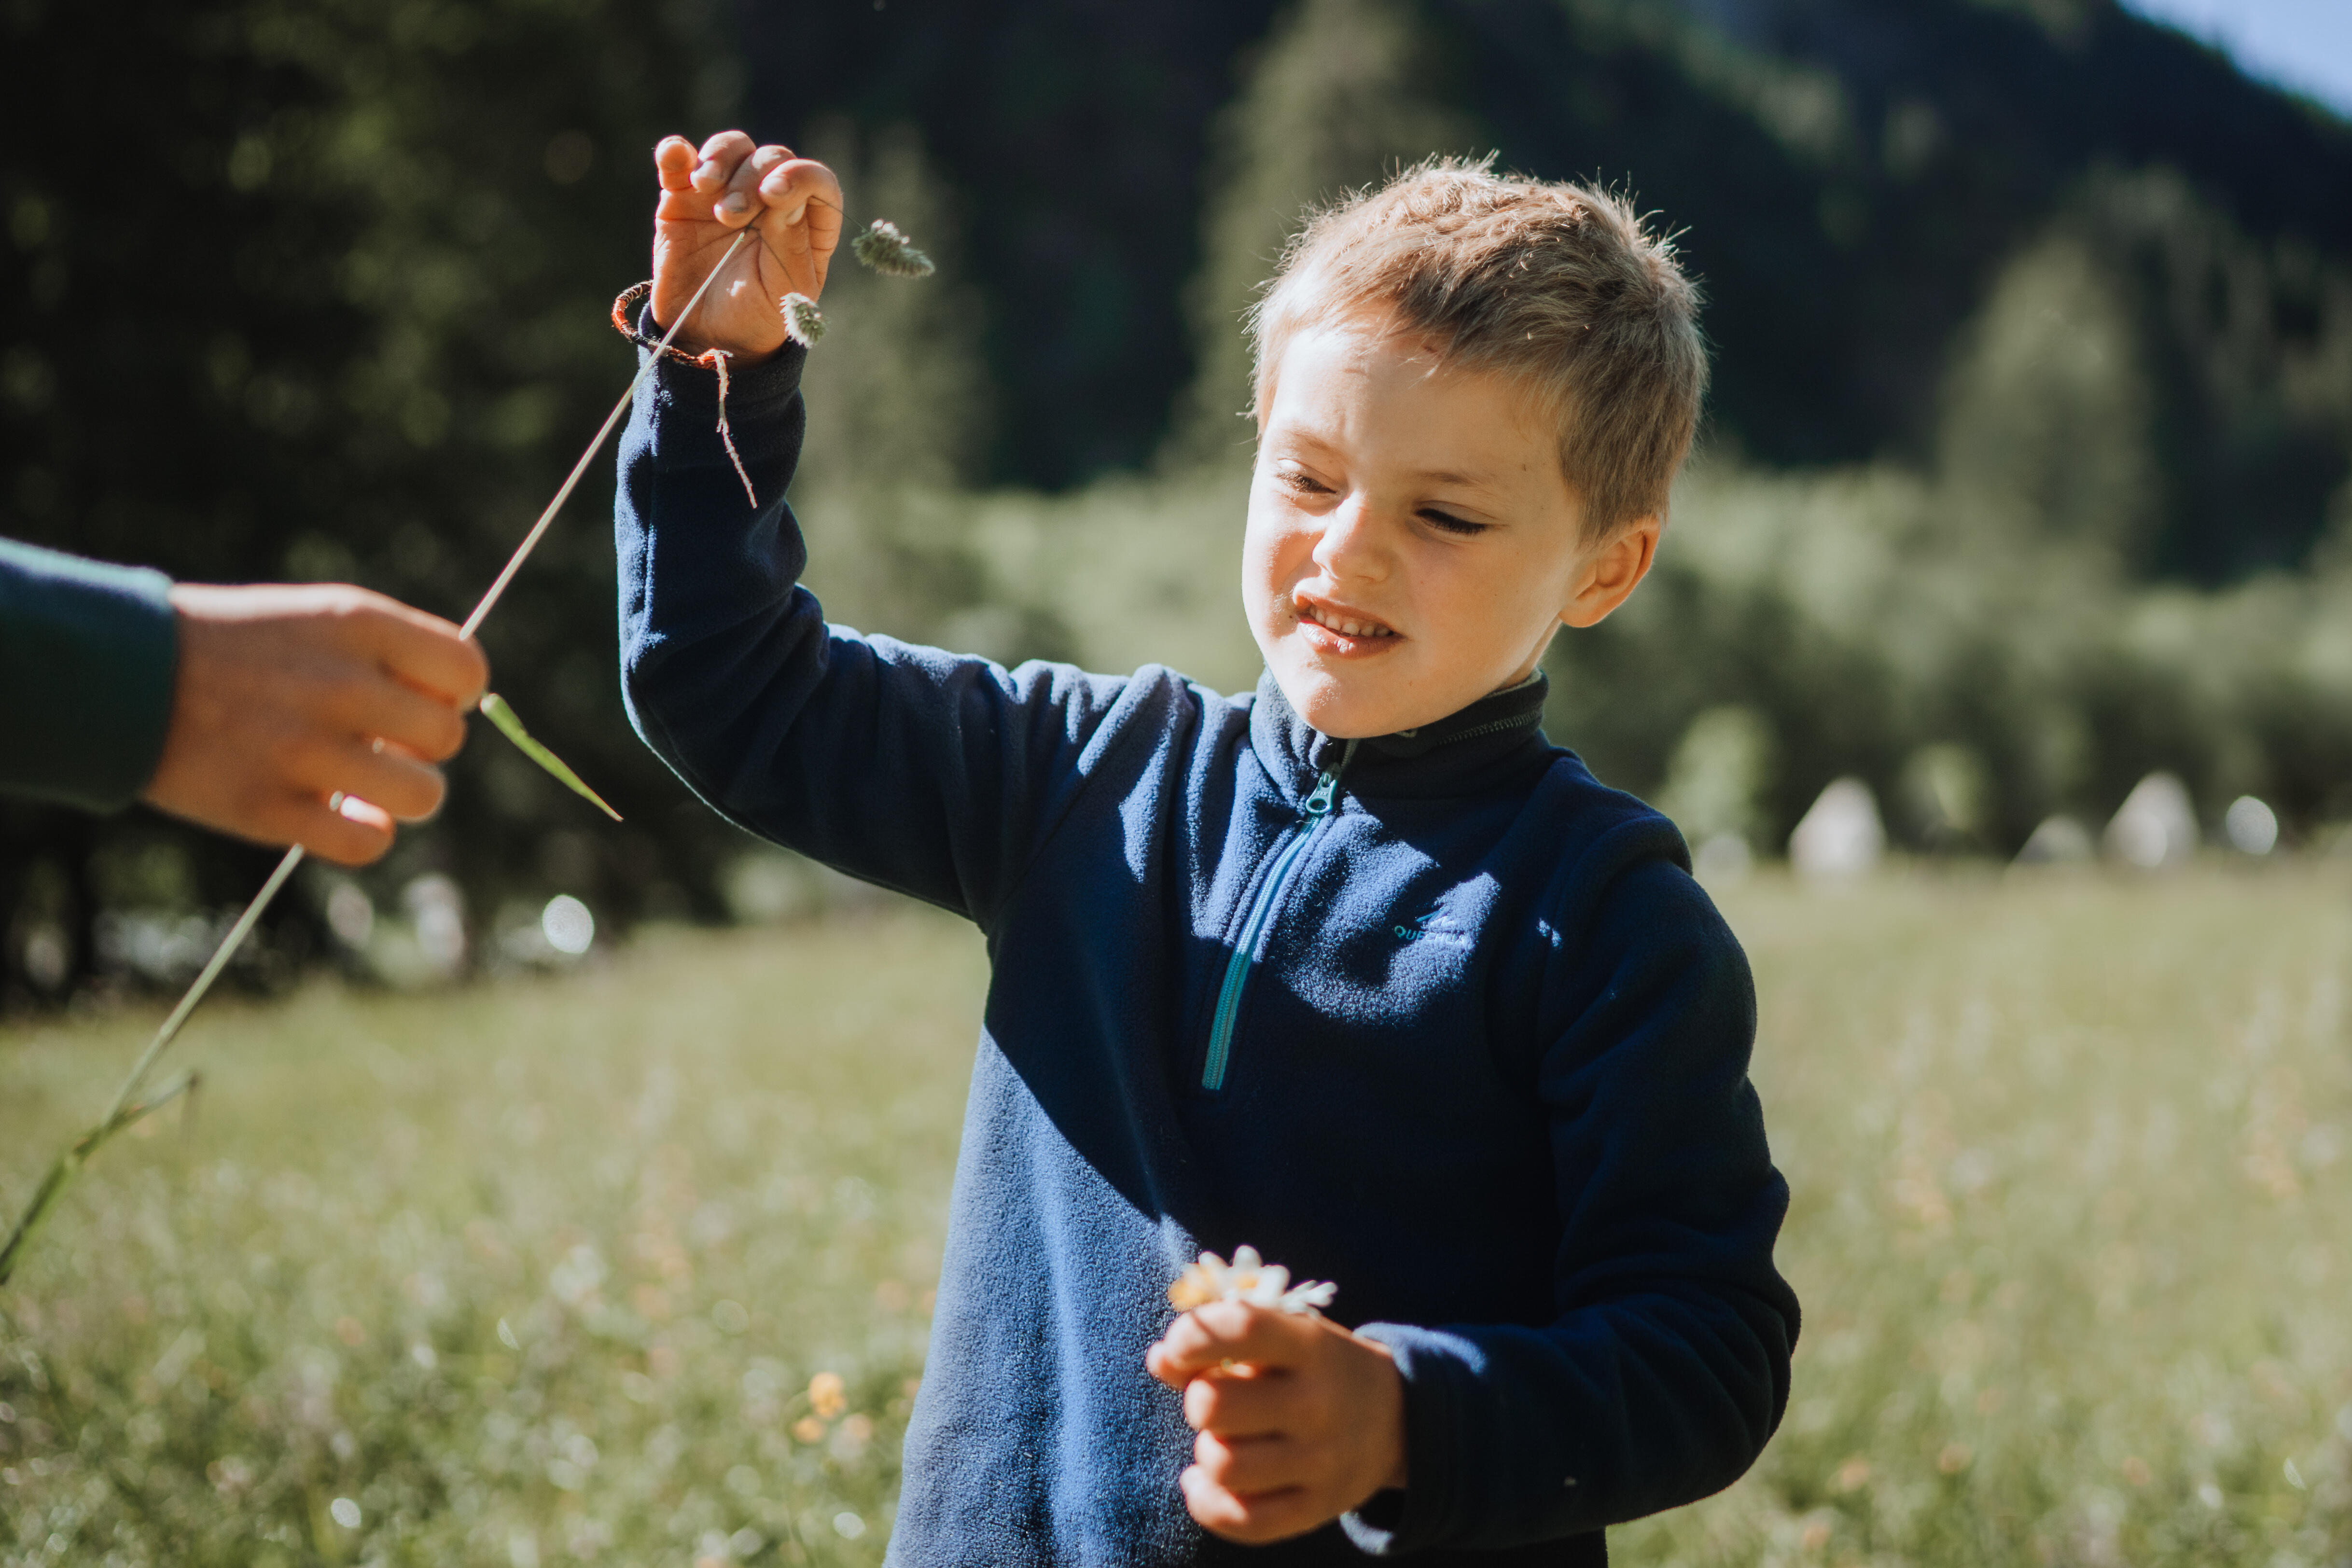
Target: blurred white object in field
[[2156, 826], [437, 907], [351, 915], [1840, 837], [2058, 841], [1722, 860], [1716, 780], [2252, 826], [569, 925]]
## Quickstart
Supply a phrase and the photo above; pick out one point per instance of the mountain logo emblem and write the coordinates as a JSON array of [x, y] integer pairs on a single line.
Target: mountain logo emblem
[[1436, 923]]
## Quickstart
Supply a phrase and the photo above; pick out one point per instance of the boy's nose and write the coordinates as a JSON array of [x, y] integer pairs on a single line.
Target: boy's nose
[[1351, 545]]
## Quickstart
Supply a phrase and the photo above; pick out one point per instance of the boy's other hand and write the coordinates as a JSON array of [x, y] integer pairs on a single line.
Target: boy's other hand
[[708, 196], [288, 697], [1299, 1420]]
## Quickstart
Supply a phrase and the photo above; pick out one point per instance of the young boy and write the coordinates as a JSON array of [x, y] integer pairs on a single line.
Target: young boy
[[1359, 969]]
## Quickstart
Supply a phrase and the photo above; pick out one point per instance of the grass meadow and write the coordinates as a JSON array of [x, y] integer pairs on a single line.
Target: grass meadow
[[633, 1264]]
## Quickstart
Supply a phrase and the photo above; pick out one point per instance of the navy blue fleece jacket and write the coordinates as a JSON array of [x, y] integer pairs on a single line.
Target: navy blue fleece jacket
[[87, 655], [1436, 1017]]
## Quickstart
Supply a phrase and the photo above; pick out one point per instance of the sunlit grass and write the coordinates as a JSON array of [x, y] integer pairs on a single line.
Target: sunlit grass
[[688, 1184], [2070, 1161]]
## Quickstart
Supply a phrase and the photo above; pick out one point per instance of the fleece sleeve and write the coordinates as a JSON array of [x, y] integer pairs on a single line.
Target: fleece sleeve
[[919, 770], [1668, 1368], [87, 655]]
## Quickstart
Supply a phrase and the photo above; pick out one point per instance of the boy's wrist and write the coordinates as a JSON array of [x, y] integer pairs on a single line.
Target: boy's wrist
[[1394, 1466]]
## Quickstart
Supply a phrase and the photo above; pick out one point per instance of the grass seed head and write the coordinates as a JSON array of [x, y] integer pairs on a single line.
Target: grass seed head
[[884, 246], [804, 323]]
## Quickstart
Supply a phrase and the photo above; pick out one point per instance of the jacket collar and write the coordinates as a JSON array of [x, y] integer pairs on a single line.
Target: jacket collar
[[1479, 748]]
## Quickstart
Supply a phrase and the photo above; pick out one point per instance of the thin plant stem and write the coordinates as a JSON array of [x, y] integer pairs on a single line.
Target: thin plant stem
[[204, 978], [531, 540], [122, 1113]]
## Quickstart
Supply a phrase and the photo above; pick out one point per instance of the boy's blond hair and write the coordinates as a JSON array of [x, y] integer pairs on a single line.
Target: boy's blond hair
[[1560, 285]]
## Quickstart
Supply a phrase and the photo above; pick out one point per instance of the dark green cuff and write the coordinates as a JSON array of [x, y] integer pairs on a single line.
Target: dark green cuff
[[87, 655]]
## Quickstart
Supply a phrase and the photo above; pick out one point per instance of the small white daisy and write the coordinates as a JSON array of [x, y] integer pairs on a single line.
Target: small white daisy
[[1247, 1279]]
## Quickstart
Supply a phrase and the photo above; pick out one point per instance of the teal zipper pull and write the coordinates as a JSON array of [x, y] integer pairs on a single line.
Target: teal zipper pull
[[1319, 804], [1327, 784]]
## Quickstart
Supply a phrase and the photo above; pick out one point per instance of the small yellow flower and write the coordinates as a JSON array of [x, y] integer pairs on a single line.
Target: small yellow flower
[[1247, 1279], [826, 1395], [808, 1430]]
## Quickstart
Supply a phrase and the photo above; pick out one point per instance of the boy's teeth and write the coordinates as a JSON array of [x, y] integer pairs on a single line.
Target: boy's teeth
[[1346, 628]]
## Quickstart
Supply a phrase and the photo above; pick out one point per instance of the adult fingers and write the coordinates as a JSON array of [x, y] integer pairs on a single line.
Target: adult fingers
[[422, 651], [718, 157], [423, 724], [346, 831], [387, 775], [673, 161]]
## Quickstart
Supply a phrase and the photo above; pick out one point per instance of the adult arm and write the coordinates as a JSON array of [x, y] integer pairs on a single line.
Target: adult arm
[[1667, 1369], [312, 713], [297, 714], [87, 652]]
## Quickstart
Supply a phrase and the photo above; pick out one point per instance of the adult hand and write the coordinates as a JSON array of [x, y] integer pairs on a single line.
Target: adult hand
[[1299, 1420], [708, 196], [313, 714]]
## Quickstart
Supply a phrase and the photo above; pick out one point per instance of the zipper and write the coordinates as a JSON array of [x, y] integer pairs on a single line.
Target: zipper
[[1314, 814]]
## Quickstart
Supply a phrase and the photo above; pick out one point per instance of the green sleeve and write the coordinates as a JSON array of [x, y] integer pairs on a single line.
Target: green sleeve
[[88, 653]]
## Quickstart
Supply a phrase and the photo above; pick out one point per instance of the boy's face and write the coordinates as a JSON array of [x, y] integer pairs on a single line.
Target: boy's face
[[1412, 544]]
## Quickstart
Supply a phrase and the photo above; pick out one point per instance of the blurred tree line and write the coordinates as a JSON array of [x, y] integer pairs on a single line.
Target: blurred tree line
[[2033, 332], [318, 290]]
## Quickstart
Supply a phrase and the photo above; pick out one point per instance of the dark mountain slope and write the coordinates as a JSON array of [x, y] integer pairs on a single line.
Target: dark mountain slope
[[1852, 175]]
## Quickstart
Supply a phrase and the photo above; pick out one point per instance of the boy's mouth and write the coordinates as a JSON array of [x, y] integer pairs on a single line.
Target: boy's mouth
[[1338, 627]]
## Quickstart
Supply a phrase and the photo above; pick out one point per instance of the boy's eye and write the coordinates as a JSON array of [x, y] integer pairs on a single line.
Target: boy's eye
[[1446, 522], [1306, 484]]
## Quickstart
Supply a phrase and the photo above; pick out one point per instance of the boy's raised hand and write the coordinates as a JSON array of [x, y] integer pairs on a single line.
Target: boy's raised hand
[[1299, 1420], [708, 196]]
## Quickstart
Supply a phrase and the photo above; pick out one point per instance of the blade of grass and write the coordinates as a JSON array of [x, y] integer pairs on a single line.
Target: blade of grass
[[66, 1166], [63, 1170], [500, 712]]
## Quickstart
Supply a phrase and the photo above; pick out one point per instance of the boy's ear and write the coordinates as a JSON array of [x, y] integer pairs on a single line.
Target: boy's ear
[[1608, 577]]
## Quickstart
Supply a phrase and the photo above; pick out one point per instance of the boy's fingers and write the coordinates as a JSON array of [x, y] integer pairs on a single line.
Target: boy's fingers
[[1250, 1468], [742, 198], [790, 184], [1253, 1520], [674, 162], [1211, 1505], [720, 156], [1238, 1404], [1209, 1336]]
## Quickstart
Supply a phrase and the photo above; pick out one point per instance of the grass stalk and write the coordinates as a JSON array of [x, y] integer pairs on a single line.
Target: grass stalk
[[123, 1112]]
